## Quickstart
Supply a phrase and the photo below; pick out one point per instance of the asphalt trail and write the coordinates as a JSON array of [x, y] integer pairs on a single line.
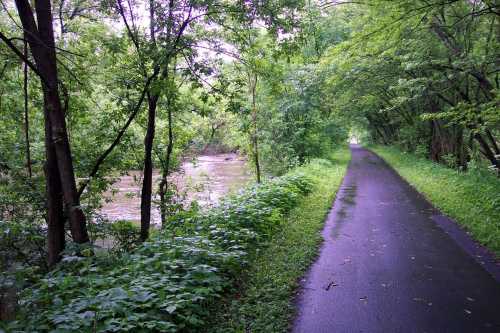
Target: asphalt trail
[[388, 265]]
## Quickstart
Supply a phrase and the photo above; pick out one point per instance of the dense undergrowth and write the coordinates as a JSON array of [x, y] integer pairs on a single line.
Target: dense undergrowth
[[471, 198], [263, 301], [169, 283]]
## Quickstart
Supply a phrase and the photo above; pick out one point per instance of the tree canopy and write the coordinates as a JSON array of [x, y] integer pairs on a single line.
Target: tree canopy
[[92, 89]]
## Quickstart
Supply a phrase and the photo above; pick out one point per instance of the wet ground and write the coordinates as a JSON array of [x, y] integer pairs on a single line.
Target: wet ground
[[206, 180], [390, 262]]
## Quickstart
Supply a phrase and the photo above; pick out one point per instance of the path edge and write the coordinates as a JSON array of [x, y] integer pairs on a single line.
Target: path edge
[[294, 302], [480, 253]]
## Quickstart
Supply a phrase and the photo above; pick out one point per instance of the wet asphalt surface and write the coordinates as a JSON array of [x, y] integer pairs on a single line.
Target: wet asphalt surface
[[389, 264]]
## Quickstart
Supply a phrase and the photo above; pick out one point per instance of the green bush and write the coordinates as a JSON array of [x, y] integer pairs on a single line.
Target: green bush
[[263, 298], [167, 283], [125, 234]]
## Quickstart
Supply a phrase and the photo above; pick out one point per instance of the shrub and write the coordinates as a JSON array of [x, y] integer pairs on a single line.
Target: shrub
[[125, 235], [167, 283]]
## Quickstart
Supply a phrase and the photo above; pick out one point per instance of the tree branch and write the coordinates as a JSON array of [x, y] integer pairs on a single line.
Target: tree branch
[[8, 42], [122, 131]]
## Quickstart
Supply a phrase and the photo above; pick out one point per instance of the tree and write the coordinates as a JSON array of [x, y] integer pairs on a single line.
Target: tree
[[59, 170]]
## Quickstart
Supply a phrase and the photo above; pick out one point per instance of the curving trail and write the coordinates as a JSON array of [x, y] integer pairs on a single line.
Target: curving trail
[[391, 262]]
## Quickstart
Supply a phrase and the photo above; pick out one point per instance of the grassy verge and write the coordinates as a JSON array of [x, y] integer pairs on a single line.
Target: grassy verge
[[472, 198], [263, 301]]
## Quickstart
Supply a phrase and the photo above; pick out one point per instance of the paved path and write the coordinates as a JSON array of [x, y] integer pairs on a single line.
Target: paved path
[[387, 265]]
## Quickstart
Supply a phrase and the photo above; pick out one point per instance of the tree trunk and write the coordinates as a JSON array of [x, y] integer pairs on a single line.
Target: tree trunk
[[381, 135], [147, 182], [435, 149], [26, 113], [255, 139], [493, 142], [42, 44], [166, 167], [55, 207], [486, 150]]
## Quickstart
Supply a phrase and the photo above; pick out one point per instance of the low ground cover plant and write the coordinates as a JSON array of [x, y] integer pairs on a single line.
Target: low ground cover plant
[[168, 283], [262, 300]]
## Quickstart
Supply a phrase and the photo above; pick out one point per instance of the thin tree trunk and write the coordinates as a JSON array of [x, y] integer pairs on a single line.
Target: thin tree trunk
[[486, 150], [255, 140], [163, 196], [166, 167], [26, 113], [381, 134], [147, 182], [493, 141]]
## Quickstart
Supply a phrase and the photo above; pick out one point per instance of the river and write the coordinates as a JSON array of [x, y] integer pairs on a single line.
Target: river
[[206, 179]]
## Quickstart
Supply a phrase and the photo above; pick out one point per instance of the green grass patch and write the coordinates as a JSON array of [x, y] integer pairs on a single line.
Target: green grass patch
[[263, 301], [471, 198]]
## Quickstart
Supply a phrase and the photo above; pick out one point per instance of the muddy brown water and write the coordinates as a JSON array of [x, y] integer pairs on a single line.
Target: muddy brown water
[[206, 179]]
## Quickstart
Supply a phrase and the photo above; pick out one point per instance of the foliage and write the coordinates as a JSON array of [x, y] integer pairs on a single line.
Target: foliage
[[420, 74], [22, 231], [263, 299], [167, 283], [125, 234], [470, 198], [284, 81]]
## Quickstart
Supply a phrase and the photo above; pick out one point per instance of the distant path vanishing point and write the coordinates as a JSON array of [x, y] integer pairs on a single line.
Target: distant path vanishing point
[[388, 265]]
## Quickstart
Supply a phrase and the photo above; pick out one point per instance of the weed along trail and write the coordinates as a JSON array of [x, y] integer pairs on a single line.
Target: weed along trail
[[388, 265]]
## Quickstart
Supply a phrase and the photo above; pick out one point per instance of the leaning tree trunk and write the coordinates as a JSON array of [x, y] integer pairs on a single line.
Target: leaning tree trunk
[[487, 151], [40, 37], [493, 141]]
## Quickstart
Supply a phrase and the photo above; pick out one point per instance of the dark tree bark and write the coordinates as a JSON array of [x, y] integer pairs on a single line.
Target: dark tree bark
[[381, 135], [26, 113], [42, 44], [147, 182], [55, 206], [255, 138], [493, 141], [166, 167], [445, 139], [486, 151]]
